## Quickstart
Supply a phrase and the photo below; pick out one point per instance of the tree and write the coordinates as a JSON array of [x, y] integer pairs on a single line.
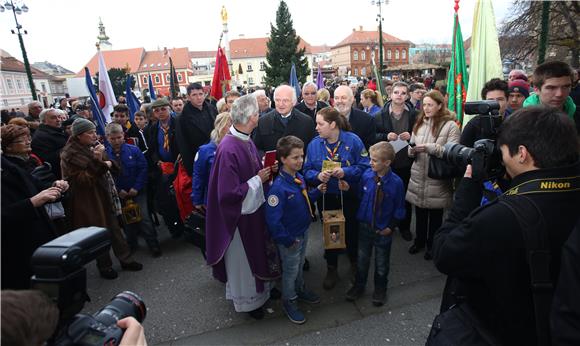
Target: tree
[[283, 50], [118, 77], [520, 32]]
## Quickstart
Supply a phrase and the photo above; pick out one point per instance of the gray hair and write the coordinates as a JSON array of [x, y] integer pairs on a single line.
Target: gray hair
[[310, 84], [113, 128], [45, 112], [294, 98], [31, 104], [219, 105], [259, 92], [243, 108]]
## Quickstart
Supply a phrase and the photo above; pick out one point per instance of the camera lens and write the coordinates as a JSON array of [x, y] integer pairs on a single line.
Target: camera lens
[[457, 154], [123, 305]]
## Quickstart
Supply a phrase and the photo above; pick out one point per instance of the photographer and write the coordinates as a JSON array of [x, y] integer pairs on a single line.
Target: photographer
[[484, 248]]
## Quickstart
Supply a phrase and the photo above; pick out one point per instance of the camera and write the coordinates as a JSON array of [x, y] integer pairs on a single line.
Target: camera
[[485, 156], [59, 272]]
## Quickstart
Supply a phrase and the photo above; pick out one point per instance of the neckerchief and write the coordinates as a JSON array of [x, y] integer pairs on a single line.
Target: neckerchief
[[302, 186], [331, 153], [165, 130], [378, 199]]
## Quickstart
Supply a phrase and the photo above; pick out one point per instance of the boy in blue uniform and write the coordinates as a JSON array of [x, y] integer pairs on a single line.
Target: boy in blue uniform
[[382, 207], [288, 215]]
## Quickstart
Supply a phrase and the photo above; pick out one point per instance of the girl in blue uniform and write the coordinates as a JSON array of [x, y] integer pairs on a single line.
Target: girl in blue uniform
[[341, 148]]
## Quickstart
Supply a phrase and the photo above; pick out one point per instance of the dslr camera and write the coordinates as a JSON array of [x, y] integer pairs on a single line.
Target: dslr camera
[[59, 272], [485, 156]]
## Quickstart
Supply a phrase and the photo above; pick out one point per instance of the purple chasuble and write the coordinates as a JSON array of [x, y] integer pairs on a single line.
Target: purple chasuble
[[237, 161]]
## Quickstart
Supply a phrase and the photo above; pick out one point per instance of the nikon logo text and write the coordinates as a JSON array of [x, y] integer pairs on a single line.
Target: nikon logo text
[[554, 185]]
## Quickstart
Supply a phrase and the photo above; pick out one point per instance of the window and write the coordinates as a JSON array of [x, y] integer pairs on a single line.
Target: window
[[373, 55], [19, 84], [363, 71], [27, 85], [389, 54], [363, 55], [262, 66], [396, 54], [249, 69], [263, 80], [43, 86], [157, 79], [356, 71], [250, 80], [5, 101], [10, 84], [144, 79], [355, 55], [179, 78], [167, 77], [404, 54]]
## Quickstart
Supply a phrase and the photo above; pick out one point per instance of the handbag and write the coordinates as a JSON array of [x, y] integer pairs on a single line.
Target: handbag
[[442, 170], [55, 210]]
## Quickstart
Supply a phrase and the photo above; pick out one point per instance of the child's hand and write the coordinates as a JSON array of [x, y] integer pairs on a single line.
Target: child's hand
[[343, 185], [322, 188], [386, 231], [274, 167]]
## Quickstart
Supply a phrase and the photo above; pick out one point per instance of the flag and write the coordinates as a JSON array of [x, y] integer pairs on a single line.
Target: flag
[[457, 80], [97, 111], [383, 97], [485, 55], [173, 82], [132, 101], [294, 80], [319, 80], [151, 90], [221, 76], [108, 99]]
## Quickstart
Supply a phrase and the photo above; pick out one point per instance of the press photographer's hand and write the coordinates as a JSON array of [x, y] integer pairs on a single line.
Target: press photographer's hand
[[134, 332]]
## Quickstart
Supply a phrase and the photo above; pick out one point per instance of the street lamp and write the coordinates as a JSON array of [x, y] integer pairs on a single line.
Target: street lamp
[[380, 19], [18, 7]]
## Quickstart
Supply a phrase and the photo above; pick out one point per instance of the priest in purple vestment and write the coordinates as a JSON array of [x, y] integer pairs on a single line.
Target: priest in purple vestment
[[239, 247]]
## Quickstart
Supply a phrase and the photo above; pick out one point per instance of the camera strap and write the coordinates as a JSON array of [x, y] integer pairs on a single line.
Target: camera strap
[[546, 185]]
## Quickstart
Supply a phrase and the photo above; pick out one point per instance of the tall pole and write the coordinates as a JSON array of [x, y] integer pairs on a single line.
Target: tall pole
[[380, 38], [544, 32], [24, 55]]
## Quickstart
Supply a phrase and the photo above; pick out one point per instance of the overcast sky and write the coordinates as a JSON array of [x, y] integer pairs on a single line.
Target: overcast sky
[[65, 32]]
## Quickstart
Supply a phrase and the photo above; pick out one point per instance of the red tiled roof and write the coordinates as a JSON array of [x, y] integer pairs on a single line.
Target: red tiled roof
[[360, 36], [320, 49], [203, 54], [116, 58], [255, 47], [155, 60], [12, 64]]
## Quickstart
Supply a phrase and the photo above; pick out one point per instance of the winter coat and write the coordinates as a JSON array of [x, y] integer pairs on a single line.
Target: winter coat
[[47, 143], [423, 191]]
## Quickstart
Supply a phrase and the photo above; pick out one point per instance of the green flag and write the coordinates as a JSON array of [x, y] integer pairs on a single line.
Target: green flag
[[485, 55], [457, 80], [380, 85]]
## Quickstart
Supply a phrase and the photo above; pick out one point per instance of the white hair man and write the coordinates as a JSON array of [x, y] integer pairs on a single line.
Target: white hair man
[[309, 104], [263, 101], [283, 121], [239, 247], [363, 124], [49, 139], [34, 109]]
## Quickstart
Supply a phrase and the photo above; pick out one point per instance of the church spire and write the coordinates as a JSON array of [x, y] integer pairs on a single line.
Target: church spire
[[103, 42]]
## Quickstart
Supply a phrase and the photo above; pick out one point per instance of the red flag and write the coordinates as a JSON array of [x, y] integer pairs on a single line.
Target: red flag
[[221, 76]]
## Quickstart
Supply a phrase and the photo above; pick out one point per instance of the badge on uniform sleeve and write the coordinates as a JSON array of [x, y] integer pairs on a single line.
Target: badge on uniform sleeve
[[364, 153], [273, 200]]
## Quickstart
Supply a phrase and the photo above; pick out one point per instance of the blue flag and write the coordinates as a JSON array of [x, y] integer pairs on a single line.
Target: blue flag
[[97, 112], [151, 90], [132, 101], [294, 80]]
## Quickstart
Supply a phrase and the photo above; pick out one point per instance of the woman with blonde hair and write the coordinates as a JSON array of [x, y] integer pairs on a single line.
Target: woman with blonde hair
[[323, 95], [435, 127]]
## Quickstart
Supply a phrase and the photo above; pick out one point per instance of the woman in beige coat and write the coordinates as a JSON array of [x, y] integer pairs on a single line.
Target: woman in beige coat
[[434, 128]]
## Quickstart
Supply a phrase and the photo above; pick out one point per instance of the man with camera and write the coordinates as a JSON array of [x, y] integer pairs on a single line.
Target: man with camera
[[483, 248]]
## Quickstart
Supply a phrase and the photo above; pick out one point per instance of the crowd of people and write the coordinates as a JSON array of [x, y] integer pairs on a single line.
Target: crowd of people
[[337, 148]]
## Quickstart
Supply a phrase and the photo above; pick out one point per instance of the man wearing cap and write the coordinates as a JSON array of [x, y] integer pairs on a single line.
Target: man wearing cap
[[93, 198], [517, 74], [518, 90], [552, 86], [49, 139]]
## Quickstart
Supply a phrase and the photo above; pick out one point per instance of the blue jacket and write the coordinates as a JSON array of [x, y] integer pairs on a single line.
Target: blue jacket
[[201, 169], [352, 155], [133, 167], [393, 205], [287, 212]]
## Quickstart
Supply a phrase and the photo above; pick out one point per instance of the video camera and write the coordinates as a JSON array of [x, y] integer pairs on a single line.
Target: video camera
[[484, 157], [59, 272]]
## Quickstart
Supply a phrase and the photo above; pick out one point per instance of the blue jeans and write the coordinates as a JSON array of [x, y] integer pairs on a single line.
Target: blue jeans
[[367, 240], [145, 227], [292, 261]]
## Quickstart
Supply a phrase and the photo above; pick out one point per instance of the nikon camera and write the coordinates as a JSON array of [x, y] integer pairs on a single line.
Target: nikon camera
[[59, 272]]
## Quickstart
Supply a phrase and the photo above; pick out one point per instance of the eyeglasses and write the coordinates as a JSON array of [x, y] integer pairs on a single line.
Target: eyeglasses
[[159, 109], [310, 94]]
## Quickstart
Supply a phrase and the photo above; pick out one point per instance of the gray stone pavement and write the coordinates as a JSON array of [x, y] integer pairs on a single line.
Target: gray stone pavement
[[186, 306]]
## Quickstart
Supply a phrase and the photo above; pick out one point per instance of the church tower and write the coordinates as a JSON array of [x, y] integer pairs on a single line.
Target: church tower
[[103, 42]]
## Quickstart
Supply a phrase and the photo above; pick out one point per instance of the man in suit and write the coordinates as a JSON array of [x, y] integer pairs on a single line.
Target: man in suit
[[283, 121], [194, 125], [309, 104], [363, 124]]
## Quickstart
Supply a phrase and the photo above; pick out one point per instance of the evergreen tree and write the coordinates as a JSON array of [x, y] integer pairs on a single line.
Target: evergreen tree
[[283, 50]]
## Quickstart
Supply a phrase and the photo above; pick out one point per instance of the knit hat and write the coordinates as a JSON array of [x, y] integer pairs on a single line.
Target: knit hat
[[10, 133], [82, 125], [160, 102], [519, 86]]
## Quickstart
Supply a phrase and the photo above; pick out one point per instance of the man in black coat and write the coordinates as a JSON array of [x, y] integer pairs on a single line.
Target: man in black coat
[[49, 139], [483, 249], [194, 125], [283, 121], [363, 124], [309, 104]]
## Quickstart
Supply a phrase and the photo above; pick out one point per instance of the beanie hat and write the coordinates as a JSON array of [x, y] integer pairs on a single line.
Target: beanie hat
[[519, 86], [82, 125]]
